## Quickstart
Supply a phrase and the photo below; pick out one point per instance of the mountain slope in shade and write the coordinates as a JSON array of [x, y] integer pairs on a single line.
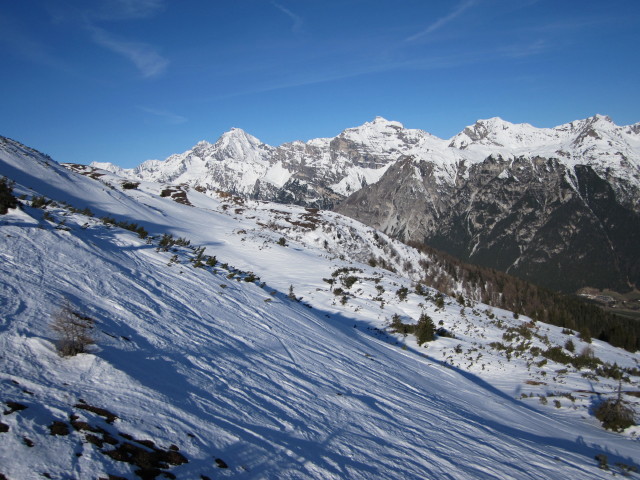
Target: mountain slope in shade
[[536, 218], [230, 370], [558, 207]]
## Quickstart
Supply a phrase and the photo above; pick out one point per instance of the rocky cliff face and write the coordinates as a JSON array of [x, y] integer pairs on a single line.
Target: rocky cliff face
[[537, 218], [559, 207]]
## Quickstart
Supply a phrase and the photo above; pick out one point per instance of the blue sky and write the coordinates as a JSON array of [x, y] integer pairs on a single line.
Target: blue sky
[[129, 80]]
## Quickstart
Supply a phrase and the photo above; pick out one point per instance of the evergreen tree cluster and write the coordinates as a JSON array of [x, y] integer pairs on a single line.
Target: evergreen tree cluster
[[132, 227], [505, 291], [424, 330]]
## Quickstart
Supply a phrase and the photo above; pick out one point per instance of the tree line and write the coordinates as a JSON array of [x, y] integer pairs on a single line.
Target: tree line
[[501, 290]]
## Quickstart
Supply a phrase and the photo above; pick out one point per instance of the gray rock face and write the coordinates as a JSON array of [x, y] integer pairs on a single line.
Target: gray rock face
[[536, 218]]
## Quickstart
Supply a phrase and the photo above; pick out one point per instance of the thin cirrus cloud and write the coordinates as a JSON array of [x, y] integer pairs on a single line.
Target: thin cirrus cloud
[[144, 56], [127, 9], [21, 43], [441, 22], [167, 117], [296, 19], [356, 69]]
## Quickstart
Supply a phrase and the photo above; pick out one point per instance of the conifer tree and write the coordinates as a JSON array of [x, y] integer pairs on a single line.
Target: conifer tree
[[425, 329]]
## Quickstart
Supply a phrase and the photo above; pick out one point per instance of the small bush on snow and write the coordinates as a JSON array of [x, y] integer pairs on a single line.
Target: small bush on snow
[[74, 330]]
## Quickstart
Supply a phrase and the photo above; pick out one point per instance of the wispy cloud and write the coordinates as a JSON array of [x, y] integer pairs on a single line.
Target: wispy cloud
[[116, 10], [168, 117], [525, 50], [95, 18], [441, 22], [296, 19], [144, 56], [356, 69], [104, 11]]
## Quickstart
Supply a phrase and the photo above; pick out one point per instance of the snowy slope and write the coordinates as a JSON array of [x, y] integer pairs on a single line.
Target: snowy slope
[[236, 373]]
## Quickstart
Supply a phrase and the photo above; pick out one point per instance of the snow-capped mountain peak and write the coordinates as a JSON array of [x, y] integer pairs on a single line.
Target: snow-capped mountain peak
[[378, 127], [238, 145], [238, 135], [496, 132]]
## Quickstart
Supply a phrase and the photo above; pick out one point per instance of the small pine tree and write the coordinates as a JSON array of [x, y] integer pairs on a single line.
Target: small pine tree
[[585, 334], [212, 261], [39, 202], [425, 329], [402, 293], [166, 242], [74, 330], [615, 415], [142, 233], [291, 294], [199, 256]]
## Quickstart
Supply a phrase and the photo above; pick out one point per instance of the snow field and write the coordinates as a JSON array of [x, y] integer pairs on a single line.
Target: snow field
[[277, 388]]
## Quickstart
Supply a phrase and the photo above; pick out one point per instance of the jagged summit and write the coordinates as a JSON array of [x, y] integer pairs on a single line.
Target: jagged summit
[[383, 122], [239, 141]]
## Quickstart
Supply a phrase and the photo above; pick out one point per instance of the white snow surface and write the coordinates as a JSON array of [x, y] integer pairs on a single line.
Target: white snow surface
[[235, 370]]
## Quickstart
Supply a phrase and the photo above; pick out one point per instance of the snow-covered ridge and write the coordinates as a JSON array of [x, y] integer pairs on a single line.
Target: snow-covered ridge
[[241, 163]]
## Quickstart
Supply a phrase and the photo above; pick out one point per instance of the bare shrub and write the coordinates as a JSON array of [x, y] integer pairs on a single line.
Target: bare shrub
[[74, 330]]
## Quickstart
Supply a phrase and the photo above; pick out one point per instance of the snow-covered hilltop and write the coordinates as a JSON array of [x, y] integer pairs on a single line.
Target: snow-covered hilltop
[[247, 339]]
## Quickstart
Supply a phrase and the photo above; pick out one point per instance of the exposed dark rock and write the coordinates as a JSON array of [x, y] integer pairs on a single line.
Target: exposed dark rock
[[109, 417], [14, 407], [59, 428]]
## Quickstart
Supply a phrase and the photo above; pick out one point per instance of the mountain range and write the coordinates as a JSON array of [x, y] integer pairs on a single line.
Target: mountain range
[[249, 339], [556, 206]]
